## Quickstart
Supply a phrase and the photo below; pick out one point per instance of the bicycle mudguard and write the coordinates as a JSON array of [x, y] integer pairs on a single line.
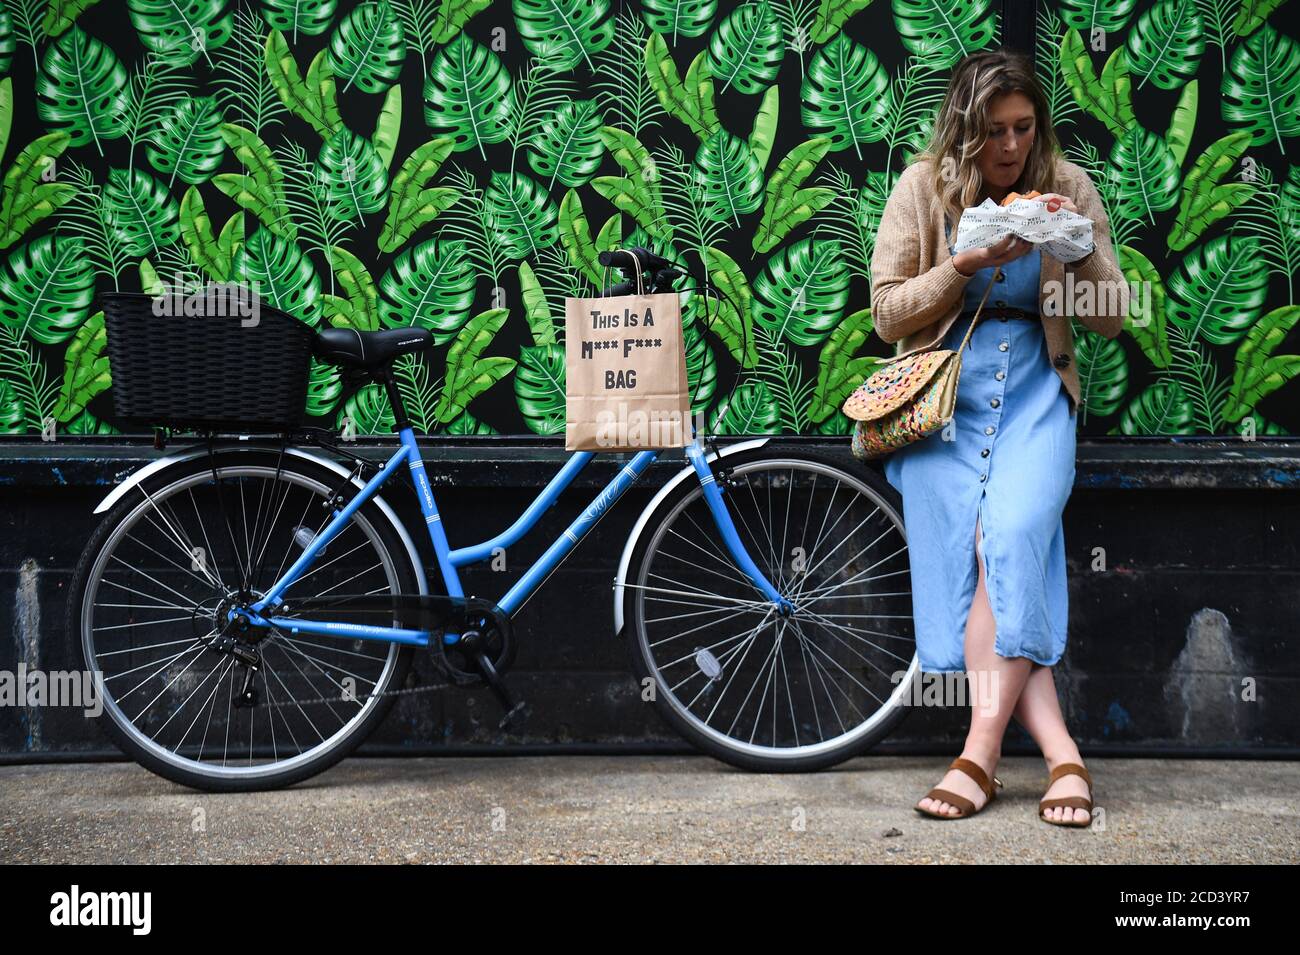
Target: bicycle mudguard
[[684, 474], [153, 467]]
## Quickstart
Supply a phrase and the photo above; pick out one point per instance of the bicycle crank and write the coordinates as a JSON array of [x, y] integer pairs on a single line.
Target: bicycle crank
[[481, 654]]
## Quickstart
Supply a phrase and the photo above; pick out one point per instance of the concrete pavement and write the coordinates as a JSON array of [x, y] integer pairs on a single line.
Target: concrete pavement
[[664, 809]]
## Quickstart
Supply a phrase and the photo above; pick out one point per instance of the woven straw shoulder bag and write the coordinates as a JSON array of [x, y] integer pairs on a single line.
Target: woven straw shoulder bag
[[909, 397]]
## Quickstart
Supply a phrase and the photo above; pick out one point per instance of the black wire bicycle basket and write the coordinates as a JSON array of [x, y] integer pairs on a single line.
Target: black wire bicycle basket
[[228, 368]]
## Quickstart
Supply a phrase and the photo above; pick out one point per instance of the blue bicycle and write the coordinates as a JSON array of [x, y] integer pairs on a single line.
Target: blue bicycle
[[253, 607]]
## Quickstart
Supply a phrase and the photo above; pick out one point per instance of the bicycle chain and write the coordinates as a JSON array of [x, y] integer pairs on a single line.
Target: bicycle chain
[[357, 699]]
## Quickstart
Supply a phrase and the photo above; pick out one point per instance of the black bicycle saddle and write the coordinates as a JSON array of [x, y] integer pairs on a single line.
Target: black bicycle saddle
[[350, 348]]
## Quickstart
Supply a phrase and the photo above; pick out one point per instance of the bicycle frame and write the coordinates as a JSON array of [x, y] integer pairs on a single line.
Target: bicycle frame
[[449, 560]]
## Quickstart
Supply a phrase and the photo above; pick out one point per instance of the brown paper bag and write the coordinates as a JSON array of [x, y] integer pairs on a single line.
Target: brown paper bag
[[625, 374]]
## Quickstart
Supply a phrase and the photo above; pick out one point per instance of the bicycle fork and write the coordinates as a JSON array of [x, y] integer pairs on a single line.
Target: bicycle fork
[[727, 528]]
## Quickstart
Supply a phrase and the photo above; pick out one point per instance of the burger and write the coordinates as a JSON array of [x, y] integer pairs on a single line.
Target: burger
[[1013, 196]]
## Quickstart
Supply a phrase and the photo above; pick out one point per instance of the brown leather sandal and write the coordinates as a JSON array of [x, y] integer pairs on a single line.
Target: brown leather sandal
[[1070, 802], [966, 807]]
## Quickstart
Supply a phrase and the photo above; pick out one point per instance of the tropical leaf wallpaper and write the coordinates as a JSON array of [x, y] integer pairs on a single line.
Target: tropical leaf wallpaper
[[458, 165]]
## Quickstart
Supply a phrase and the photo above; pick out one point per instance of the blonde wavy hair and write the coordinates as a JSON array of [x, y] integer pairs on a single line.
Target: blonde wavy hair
[[961, 128]]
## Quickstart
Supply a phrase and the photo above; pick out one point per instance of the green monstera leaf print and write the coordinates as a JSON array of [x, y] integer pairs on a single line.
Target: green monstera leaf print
[[1163, 408], [368, 48], [466, 423], [353, 175], [181, 31], [142, 214], [802, 292], [566, 32], [282, 276], [1165, 44], [1110, 17], [1218, 290], [750, 409], [7, 46], [430, 285], [1261, 88], [678, 18], [466, 95], [746, 49], [525, 216], [324, 385], [940, 32], [187, 142], [367, 412], [728, 173], [567, 148], [46, 288], [82, 90], [845, 95], [539, 388], [1144, 173], [295, 17], [87, 423], [1103, 371]]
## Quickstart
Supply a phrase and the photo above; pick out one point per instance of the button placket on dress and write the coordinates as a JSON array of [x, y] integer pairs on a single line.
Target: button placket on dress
[[994, 394], [947, 483]]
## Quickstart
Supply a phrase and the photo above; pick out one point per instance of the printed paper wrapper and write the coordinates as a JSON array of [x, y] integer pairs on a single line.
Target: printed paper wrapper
[[1064, 235]]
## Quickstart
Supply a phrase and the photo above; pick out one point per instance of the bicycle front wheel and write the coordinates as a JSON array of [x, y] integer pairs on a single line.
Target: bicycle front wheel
[[743, 683], [149, 602]]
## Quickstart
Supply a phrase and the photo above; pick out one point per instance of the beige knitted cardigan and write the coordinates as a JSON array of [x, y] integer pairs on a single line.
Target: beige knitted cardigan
[[917, 292]]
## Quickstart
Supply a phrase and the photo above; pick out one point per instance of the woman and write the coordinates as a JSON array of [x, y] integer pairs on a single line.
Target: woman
[[993, 602]]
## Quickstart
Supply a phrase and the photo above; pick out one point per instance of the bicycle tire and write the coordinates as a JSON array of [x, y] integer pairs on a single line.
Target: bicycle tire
[[646, 666], [88, 578]]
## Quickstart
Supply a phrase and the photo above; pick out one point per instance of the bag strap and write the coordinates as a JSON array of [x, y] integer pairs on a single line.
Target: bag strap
[[996, 272], [934, 345]]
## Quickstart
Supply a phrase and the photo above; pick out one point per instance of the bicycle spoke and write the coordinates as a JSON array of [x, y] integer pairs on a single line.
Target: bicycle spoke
[[777, 685], [151, 619]]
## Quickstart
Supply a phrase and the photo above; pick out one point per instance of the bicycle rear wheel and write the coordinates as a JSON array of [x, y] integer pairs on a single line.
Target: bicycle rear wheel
[[752, 688], [150, 594]]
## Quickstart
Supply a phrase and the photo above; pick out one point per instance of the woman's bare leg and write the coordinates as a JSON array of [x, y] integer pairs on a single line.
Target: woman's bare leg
[[995, 683], [1039, 712]]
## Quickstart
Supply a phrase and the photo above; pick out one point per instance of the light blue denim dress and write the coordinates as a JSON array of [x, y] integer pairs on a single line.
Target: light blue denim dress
[[1011, 461]]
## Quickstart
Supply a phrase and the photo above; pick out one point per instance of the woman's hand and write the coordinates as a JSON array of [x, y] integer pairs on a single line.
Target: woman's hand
[[1009, 247], [1056, 201]]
